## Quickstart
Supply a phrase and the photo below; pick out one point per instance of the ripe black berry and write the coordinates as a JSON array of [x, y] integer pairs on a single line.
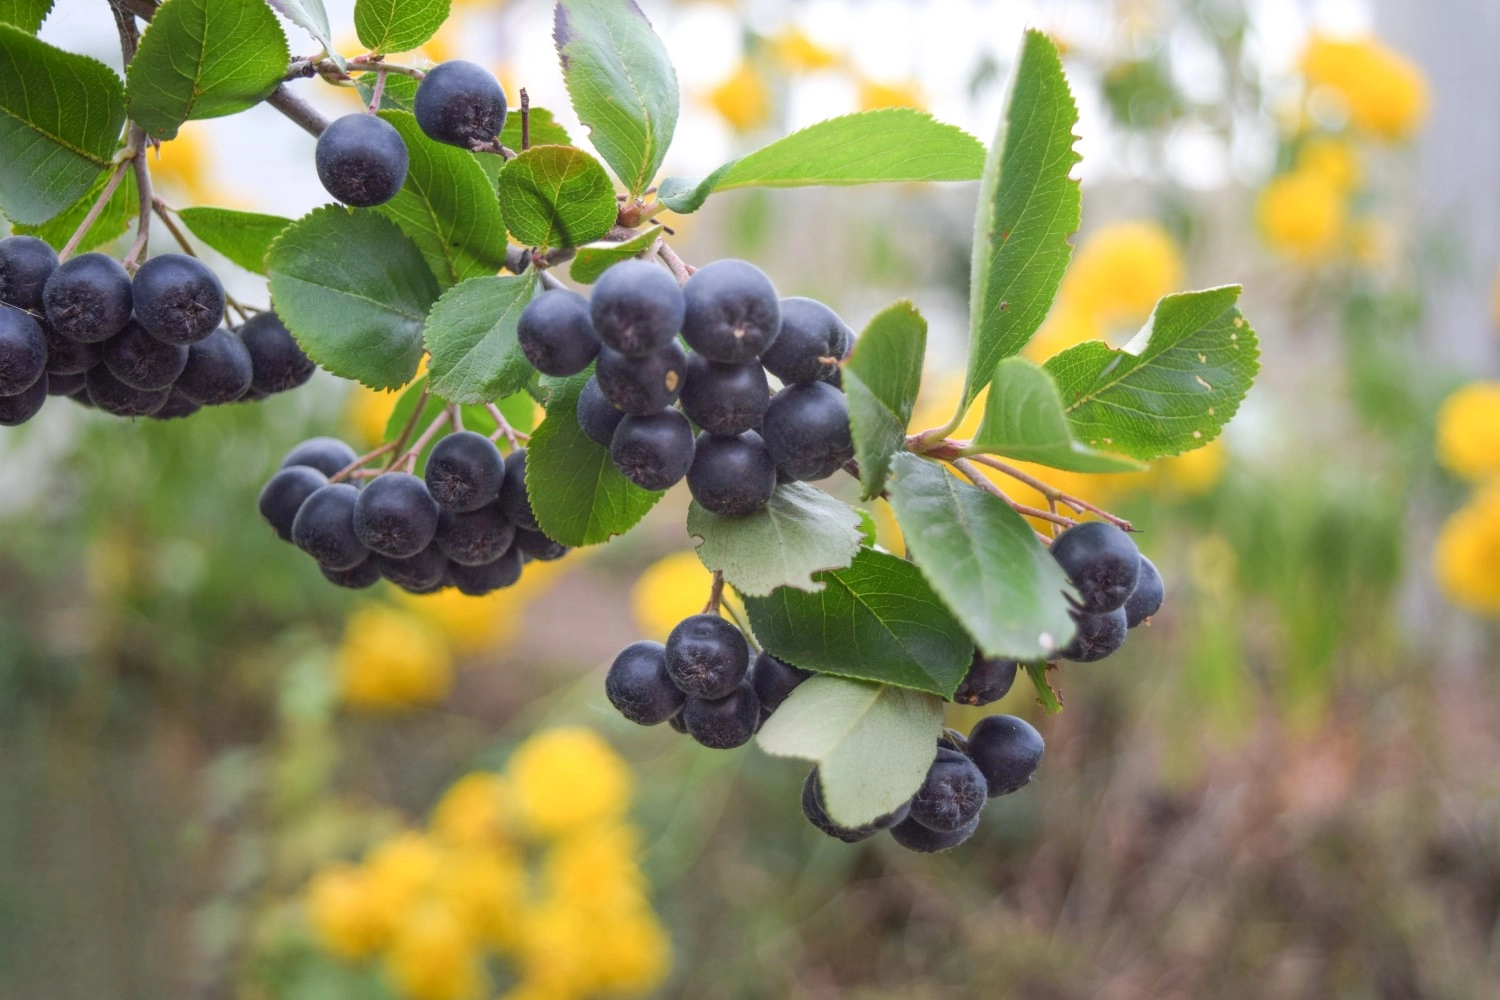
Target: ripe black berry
[[987, 680], [418, 574], [23, 351], [88, 298], [364, 575], [361, 160], [276, 361], [924, 840], [1097, 637], [328, 455], [70, 357], [17, 409], [396, 516], [1007, 752], [140, 360], [535, 545], [807, 431], [732, 312], [1145, 600], [641, 385], [515, 502], [460, 104], [1101, 562], [113, 396], [723, 723], [556, 334], [637, 308], [810, 333], [176, 406], [283, 494], [724, 399], [218, 370], [774, 681], [64, 385], [733, 476], [324, 527], [475, 537], [638, 685], [677, 724], [465, 471], [25, 265], [653, 451], [597, 415], [707, 656], [952, 794], [816, 812], [178, 299], [476, 581]]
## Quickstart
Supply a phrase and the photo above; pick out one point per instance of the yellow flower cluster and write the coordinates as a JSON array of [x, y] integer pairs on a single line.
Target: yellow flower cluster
[[1383, 92], [674, 587], [1303, 214], [537, 866], [1467, 557]]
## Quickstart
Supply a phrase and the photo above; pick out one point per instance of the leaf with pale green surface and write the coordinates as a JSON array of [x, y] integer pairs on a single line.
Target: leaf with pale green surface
[[869, 147], [545, 131], [397, 25], [1024, 420], [801, 531], [881, 379], [1028, 207], [471, 335], [60, 121], [877, 620], [204, 59], [355, 292], [621, 82], [27, 15], [119, 212], [872, 743], [309, 15], [593, 260], [243, 237], [580, 498], [556, 196], [447, 206], [1172, 388], [983, 559]]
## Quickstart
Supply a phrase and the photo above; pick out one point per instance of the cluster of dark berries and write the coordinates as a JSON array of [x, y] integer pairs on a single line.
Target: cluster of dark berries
[[362, 160], [702, 681], [467, 523], [151, 347], [728, 312], [1118, 588]]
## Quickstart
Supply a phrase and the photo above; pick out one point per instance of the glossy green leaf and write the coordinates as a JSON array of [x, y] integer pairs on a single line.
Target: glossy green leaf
[[471, 335], [544, 129], [1028, 207], [204, 59], [355, 292], [119, 212], [872, 743], [875, 620], [27, 15], [983, 559], [869, 147], [1172, 388], [593, 260], [799, 533], [621, 82], [881, 379], [556, 196], [243, 237], [1024, 419], [311, 16], [60, 121], [397, 25]]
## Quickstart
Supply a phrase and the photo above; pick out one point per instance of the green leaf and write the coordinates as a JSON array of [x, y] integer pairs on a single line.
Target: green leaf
[[447, 206], [1172, 388], [872, 743], [984, 559], [471, 335], [580, 498], [397, 25], [1028, 207], [596, 258], [355, 292], [204, 59], [869, 147], [1024, 419], [118, 213], [309, 15], [399, 93], [881, 380], [27, 15], [60, 121], [876, 620], [243, 237], [1045, 696], [556, 196], [544, 130], [621, 82], [800, 532]]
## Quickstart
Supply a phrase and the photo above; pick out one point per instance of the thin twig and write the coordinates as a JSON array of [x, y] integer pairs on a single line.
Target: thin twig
[[349, 470], [525, 120], [163, 215], [409, 459], [143, 193], [379, 90], [669, 257], [503, 428], [96, 208], [715, 594], [977, 478], [411, 423], [299, 111], [456, 414], [1052, 493]]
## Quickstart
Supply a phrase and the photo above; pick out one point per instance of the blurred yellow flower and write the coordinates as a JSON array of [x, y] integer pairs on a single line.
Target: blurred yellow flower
[[670, 589], [1120, 272], [390, 658], [368, 411], [472, 812], [798, 52], [402, 868], [485, 888], [598, 864], [1466, 560], [874, 95], [433, 956], [1384, 92], [1468, 431], [634, 953], [184, 165], [1193, 473], [566, 779], [1301, 214], [743, 99], [1066, 326], [1372, 241], [345, 913], [1334, 158], [475, 624]]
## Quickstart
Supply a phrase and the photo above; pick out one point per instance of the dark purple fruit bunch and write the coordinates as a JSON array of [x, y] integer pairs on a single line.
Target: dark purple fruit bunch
[[1116, 588]]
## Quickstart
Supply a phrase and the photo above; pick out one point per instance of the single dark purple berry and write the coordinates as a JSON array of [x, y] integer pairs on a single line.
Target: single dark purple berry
[[329, 456], [284, 494], [707, 656], [812, 341], [1145, 600], [535, 545], [952, 794], [461, 104], [176, 407], [218, 370], [396, 516], [641, 385], [17, 409], [25, 265], [653, 451], [1097, 636], [178, 299], [476, 581], [725, 399], [806, 430], [475, 537], [87, 298], [597, 415], [556, 334], [732, 476], [141, 361], [465, 471], [637, 307], [923, 840], [1101, 562], [723, 723], [360, 577], [732, 311], [989, 679], [1007, 751], [277, 362], [70, 357], [515, 501], [638, 685], [361, 160], [113, 396], [418, 574], [324, 527], [23, 351], [774, 680]]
